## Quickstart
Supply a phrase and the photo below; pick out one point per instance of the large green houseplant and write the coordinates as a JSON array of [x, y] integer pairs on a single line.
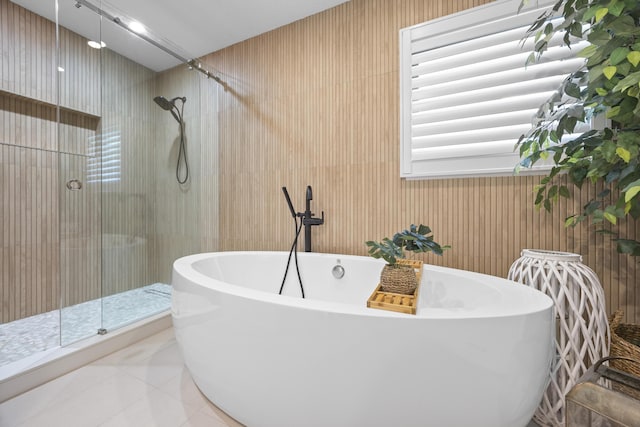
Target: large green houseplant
[[607, 86], [395, 276]]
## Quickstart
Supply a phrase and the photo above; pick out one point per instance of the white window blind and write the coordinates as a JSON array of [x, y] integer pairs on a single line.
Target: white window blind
[[466, 95], [104, 161]]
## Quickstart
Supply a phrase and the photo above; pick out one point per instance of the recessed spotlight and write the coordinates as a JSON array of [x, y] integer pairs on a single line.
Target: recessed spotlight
[[94, 44], [137, 27]]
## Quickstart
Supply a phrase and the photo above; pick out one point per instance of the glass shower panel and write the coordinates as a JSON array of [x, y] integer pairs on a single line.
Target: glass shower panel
[[127, 197], [29, 321], [144, 209], [78, 195]]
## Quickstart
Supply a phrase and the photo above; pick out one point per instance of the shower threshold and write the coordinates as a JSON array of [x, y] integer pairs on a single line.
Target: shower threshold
[[41, 333]]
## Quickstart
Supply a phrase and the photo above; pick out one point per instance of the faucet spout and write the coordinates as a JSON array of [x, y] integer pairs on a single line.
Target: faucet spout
[[309, 198]]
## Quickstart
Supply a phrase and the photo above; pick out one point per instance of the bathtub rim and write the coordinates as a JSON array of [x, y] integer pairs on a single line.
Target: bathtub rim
[[182, 270]]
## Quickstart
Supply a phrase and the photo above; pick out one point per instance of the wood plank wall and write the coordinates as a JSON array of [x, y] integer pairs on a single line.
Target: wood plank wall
[[64, 246], [180, 224], [49, 237], [316, 103], [127, 220], [29, 234]]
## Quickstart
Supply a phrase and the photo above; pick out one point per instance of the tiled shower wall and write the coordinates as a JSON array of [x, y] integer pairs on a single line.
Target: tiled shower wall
[[316, 103], [187, 215], [72, 246], [48, 237]]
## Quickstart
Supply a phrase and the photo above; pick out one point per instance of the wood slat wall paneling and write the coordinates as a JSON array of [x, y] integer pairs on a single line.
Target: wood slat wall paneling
[[29, 234], [38, 157], [316, 102], [180, 226], [51, 236], [127, 221]]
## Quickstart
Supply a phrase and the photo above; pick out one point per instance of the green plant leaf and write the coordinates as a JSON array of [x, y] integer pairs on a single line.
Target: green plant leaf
[[618, 55], [590, 13], [616, 7], [613, 112], [608, 86], [588, 51], [633, 57], [631, 190], [622, 26], [424, 230], [624, 68], [572, 89], [624, 154], [626, 246], [631, 80], [570, 221], [630, 194], [599, 37], [609, 71], [386, 250], [591, 207], [601, 13]]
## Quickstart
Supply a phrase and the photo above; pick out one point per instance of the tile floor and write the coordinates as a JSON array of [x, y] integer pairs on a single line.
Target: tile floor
[[25, 337], [143, 385]]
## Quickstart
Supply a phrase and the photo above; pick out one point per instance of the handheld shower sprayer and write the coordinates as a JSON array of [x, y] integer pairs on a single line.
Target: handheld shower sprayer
[[165, 104], [286, 196], [177, 113], [294, 246], [307, 221]]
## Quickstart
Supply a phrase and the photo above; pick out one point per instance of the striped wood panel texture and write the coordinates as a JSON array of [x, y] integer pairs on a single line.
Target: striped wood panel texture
[[29, 256], [50, 246], [316, 102], [50, 237], [187, 215], [58, 245]]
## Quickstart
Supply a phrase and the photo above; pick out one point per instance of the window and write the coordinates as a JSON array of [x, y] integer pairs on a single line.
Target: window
[[104, 161], [466, 95]]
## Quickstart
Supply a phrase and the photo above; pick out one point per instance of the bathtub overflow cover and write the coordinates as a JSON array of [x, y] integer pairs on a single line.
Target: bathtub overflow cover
[[338, 271]]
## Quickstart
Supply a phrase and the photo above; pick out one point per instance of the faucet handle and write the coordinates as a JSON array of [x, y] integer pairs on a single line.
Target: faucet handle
[[314, 221]]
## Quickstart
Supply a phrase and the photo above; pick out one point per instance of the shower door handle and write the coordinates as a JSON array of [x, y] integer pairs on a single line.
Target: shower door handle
[[74, 185]]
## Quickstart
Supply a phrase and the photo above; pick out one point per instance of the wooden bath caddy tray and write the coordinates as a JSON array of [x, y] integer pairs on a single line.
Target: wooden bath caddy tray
[[401, 303]]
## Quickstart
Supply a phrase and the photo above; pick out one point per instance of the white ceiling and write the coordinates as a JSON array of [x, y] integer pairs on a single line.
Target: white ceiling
[[191, 28]]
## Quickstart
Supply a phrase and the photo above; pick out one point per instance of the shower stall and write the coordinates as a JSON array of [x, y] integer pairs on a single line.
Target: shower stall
[[91, 213]]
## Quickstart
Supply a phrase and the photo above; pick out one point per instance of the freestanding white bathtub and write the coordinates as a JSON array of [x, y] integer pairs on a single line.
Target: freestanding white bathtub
[[477, 353]]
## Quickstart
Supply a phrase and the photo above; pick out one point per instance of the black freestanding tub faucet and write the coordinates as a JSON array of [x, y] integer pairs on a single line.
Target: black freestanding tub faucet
[[308, 220]]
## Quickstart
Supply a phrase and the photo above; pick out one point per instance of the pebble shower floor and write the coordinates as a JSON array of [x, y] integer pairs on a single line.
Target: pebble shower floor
[[31, 335]]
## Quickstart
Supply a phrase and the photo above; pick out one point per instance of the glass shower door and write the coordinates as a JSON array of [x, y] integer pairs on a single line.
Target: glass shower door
[[79, 99], [144, 209], [124, 218], [127, 196]]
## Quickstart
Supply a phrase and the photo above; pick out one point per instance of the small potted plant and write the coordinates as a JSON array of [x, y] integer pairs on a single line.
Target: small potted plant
[[397, 277]]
